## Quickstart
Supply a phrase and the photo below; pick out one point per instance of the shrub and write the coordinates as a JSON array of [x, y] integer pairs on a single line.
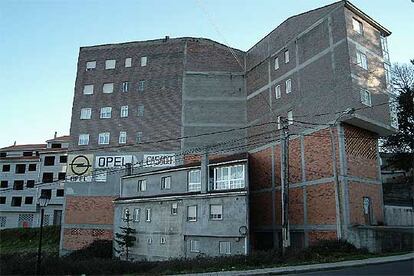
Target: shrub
[[97, 249]]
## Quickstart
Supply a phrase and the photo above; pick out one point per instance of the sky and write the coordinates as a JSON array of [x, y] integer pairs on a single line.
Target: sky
[[40, 40]]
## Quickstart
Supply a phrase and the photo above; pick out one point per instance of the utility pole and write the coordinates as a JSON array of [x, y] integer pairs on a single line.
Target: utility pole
[[284, 138]]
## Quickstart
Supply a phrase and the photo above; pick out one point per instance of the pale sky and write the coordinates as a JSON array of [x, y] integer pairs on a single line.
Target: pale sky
[[40, 40]]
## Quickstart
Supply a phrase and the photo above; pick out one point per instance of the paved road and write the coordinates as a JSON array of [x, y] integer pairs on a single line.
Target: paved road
[[395, 268]]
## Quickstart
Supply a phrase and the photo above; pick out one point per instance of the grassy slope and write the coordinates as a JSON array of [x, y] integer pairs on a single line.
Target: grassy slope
[[26, 240]]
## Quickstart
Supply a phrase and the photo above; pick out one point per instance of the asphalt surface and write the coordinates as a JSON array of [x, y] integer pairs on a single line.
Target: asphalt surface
[[394, 268]]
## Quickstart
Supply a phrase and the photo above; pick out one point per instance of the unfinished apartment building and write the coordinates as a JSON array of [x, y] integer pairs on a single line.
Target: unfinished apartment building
[[159, 103]]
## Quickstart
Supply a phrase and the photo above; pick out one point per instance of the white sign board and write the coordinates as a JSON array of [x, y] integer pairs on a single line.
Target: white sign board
[[159, 160], [103, 162]]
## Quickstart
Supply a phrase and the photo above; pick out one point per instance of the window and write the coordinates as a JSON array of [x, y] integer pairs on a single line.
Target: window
[[28, 200], [166, 183], [362, 60], [393, 112], [108, 88], [6, 168], [83, 139], [4, 184], [125, 213], [174, 208], [139, 137], [124, 111], [141, 85], [47, 178], [86, 113], [387, 71], [56, 146], [106, 112], [32, 167], [149, 240], [125, 86], [142, 185], [128, 62], [122, 137], [61, 176], [288, 86], [2, 200], [16, 201], [103, 138], [194, 246], [27, 153], [276, 63], [60, 192], [366, 97], [224, 247], [137, 214], [3, 154], [290, 117], [18, 185], [216, 212], [192, 213], [140, 110], [90, 65], [20, 168], [287, 56], [144, 61], [357, 25], [30, 183], [277, 92], [148, 215], [63, 159], [163, 240], [194, 180], [88, 89], [384, 47], [49, 161], [110, 64], [230, 177]]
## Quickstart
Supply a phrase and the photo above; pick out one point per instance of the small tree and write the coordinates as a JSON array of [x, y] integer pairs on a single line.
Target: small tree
[[401, 144], [125, 239]]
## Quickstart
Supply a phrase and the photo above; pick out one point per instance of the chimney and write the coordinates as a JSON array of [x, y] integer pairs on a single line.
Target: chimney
[[166, 38], [55, 135], [14, 143]]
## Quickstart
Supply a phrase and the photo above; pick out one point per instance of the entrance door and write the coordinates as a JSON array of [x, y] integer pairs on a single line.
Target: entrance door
[[57, 217]]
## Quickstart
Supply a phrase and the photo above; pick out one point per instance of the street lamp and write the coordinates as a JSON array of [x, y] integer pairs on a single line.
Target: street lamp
[[338, 202], [43, 201]]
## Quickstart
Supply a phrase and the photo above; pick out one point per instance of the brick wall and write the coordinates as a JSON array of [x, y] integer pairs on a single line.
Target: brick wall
[[77, 238], [89, 210], [357, 191], [316, 236]]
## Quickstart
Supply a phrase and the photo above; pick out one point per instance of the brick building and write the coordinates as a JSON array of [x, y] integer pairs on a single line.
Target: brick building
[[133, 101]]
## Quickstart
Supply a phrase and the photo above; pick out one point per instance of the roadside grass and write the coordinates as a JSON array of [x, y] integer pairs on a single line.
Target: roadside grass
[[26, 240], [19, 257]]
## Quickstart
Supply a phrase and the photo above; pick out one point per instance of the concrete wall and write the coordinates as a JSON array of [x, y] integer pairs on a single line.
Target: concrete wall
[[398, 215]]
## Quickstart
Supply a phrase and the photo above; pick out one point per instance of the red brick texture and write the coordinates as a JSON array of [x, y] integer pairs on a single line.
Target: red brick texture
[[76, 238], [296, 206], [261, 209], [89, 210], [321, 204], [357, 191], [260, 169], [316, 236]]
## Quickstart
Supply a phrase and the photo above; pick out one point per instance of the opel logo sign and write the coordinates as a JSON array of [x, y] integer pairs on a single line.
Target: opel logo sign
[[80, 165]]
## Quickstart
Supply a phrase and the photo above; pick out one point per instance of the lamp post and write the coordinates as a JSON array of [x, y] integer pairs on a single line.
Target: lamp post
[[338, 201], [43, 201]]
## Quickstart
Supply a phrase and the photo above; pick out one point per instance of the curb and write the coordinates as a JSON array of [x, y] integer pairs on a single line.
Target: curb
[[312, 267]]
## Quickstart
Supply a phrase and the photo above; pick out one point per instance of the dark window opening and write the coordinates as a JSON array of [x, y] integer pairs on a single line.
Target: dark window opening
[[27, 153], [63, 159], [2, 200], [18, 185], [28, 200], [62, 176], [30, 183], [49, 161], [56, 146], [16, 201], [60, 192], [47, 177], [20, 168], [6, 168], [4, 184], [32, 167], [46, 192], [3, 154]]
